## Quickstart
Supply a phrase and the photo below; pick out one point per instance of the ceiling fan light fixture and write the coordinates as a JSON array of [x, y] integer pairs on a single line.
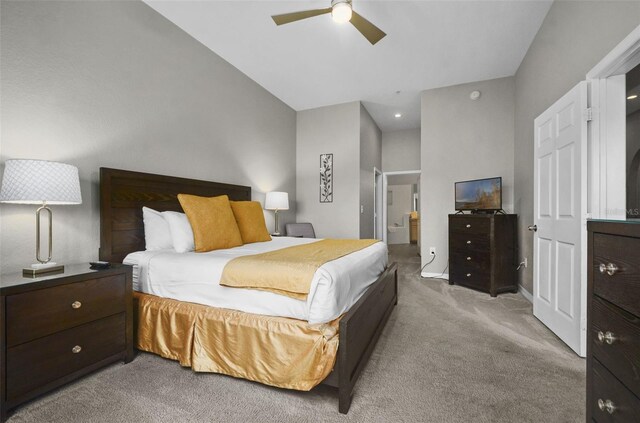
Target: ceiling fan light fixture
[[341, 12]]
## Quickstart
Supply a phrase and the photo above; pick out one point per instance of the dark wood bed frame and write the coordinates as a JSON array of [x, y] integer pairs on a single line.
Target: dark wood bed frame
[[123, 194]]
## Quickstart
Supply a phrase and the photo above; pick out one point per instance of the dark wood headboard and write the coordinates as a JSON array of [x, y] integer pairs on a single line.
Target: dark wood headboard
[[123, 194]]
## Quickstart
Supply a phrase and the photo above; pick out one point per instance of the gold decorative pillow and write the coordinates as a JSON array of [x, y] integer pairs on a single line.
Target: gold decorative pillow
[[250, 219], [211, 218]]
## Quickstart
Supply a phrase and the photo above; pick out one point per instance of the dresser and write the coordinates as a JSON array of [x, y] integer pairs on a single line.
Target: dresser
[[58, 328], [613, 322], [482, 252]]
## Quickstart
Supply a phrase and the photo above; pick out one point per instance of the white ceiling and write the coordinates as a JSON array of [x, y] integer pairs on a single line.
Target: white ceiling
[[317, 62]]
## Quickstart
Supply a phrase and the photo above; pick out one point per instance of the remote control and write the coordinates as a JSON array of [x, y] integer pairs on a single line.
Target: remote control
[[99, 264]]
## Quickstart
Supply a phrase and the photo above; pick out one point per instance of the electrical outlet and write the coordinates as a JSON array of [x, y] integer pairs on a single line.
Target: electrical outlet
[[432, 251], [526, 262], [361, 209]]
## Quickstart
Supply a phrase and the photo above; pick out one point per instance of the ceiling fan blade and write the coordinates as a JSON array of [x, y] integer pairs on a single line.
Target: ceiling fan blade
[[366, 28], [296, 16]]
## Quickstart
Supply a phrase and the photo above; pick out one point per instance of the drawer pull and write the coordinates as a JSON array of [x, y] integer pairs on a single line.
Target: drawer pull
[[607, 337], [468, 275], [606, 405], [609, 268], [468, 226], [76, 305], [468, 242], [76, 349], [468, 258]]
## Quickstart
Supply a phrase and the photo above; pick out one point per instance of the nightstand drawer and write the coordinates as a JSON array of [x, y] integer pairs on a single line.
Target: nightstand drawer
[[616, 273], [45, 311], [36, 363]]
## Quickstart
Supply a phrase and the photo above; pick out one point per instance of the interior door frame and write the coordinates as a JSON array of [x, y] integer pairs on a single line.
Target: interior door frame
[[607, 137], [378, 204]]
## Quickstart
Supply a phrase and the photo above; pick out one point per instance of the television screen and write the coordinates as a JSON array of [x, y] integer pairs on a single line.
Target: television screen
[[480, 194]]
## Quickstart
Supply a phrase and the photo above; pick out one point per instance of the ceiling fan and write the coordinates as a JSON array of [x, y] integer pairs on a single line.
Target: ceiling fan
[[341, 11]]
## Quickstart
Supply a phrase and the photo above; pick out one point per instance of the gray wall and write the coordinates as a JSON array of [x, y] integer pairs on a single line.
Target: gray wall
[[332, 129], [574, 36], [401, 150], [462, 139], [115, 84], [370, 157]]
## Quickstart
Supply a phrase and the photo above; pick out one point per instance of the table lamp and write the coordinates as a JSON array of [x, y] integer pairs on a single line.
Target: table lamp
[[277, 201], [43, 183]]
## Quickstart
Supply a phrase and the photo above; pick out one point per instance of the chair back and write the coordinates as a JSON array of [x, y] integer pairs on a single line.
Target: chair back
[[304, 230]]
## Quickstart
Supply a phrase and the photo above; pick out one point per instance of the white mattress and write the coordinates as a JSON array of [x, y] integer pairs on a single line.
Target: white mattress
[[194, 277]]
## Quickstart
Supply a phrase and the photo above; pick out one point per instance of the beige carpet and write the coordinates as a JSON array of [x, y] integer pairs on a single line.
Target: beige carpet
[[448, 354]]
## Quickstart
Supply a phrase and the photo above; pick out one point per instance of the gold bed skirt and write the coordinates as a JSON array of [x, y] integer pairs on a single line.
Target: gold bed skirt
[[276, 351]]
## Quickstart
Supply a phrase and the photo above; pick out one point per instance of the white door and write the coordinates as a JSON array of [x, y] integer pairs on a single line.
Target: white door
[[560, 206]]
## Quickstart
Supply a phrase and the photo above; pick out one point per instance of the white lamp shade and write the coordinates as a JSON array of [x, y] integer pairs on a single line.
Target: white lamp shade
[[277, 201], [39, 181]]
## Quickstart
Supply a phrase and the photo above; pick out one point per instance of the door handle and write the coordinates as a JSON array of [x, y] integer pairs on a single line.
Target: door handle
[[533, 228]]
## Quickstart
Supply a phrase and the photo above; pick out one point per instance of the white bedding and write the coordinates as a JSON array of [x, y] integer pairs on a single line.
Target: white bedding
[[194, 277]]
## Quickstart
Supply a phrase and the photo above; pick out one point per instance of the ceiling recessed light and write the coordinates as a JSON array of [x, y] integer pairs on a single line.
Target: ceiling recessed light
[[631, 97], [398, 115]]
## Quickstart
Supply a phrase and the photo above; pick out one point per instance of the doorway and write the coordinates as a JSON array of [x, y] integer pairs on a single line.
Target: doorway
[[400, 208], [633, 142], [613, 90], [586, 129]]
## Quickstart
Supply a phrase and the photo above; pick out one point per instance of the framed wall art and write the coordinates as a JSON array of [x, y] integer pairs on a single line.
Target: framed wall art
[[326, 178]]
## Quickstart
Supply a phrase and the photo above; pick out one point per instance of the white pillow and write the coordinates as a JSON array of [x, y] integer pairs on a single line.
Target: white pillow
[[157, 235], [181, 231]]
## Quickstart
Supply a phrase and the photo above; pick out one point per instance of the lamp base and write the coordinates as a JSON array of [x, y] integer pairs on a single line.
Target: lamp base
[[42, 269]]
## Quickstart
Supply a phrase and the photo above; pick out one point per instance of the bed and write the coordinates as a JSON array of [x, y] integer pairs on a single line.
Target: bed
[[122, 196]]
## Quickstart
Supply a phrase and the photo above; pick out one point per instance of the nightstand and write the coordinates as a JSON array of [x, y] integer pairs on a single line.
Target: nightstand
[[60, 327]]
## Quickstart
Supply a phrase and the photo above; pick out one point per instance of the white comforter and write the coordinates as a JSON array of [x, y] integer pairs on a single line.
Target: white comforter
[[195, 277]]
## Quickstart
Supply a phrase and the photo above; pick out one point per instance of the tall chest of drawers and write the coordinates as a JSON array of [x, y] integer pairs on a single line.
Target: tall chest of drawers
[[482, 250], [58, 328], [613, 322]]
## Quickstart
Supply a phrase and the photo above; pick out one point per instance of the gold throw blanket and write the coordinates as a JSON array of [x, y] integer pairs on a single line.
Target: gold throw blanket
[[288, 271]]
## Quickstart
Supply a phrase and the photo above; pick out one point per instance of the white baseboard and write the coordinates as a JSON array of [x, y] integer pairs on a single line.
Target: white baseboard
[[525, 293], [435, 275]]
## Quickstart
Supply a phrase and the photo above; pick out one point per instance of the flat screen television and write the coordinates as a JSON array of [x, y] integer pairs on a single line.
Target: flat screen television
[[479, 195]]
